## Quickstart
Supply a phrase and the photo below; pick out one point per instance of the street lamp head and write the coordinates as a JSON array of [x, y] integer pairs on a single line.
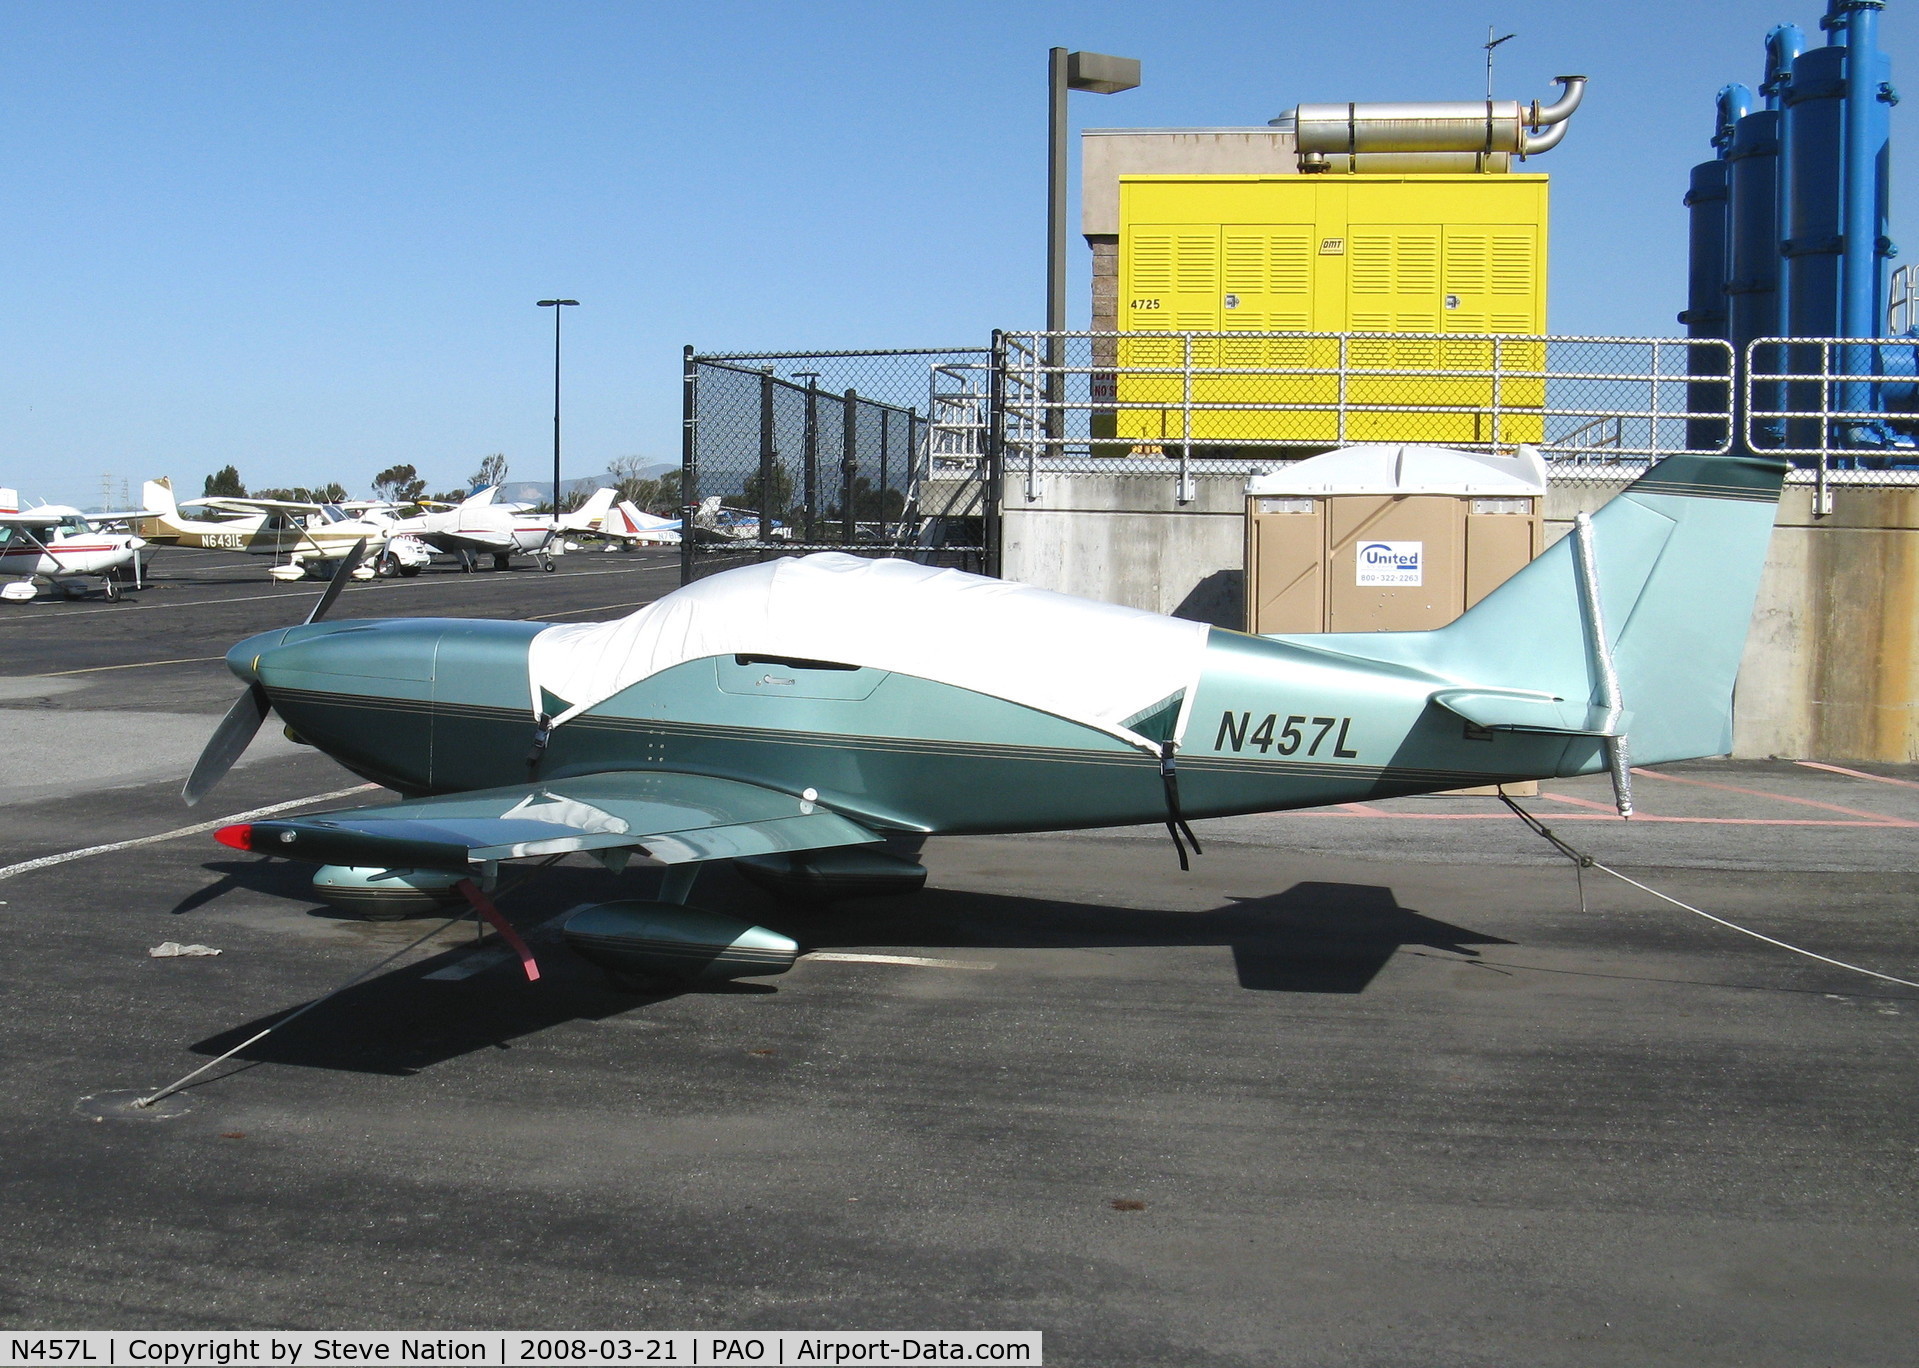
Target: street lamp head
[[1104, 75], [552, 303]]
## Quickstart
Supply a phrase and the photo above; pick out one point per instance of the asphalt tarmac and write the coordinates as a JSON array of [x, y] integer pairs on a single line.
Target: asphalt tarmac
[[1367, 1087]]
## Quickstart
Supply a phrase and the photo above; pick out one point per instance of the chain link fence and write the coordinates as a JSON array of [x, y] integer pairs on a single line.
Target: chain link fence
[[1845, 411], [895, 453], [877, 453], [1223, 402]]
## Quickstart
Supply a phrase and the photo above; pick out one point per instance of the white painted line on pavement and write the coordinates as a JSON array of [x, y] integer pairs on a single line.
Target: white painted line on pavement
[[45, 861], [292, 591], [132, 665], [918, 961]]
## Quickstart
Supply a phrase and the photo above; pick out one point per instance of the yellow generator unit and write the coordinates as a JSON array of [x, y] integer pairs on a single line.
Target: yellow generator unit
[[1441, 255]]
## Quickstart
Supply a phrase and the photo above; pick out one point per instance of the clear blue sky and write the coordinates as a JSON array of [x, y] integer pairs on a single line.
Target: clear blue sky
[[306, 238]]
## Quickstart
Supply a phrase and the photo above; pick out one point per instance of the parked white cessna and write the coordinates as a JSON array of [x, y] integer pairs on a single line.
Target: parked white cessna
[[58, 544], [307, 534], [624, 522], [480, 526], [734, 524]]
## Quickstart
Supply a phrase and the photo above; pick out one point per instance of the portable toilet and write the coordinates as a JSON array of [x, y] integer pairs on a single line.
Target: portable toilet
[[1387, 537]]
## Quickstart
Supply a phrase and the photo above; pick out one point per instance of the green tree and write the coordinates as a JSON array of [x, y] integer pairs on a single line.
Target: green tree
[[869, 504], [775, 498], [491, 472], [224, 484], [399, 484], [656, 494], [333, 492]]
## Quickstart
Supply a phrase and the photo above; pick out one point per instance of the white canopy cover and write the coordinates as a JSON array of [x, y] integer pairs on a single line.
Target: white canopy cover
[[1096, 663], [1391, 468]]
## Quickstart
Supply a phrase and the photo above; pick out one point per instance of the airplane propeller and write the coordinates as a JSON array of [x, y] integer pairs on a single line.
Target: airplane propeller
[[337, 585], [238, 728]]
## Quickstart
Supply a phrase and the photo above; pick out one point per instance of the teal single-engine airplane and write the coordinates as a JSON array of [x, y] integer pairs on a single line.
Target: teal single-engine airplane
[[791, 716]]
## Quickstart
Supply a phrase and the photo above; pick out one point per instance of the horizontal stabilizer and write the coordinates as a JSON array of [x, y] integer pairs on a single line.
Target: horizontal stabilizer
[[1523, 710], [671, 818]]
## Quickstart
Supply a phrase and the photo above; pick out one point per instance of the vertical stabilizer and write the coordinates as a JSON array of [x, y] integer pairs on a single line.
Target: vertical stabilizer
[[156, 496], [1677, 555], [588, 515]]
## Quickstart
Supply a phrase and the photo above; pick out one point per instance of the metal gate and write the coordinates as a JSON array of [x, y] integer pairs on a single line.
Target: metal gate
[[876, 453]]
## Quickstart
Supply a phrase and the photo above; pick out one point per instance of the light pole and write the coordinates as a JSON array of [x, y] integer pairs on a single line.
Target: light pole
[[558, 306], [1104, 75]]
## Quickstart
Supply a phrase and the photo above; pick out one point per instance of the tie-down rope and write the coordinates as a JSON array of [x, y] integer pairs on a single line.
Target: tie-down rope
[[180, 1083], [480, 905], [1582, 862]]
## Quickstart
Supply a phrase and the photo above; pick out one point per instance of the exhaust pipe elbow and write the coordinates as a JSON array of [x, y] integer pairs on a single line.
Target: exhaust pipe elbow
[[1529, 143], [1572, 89]]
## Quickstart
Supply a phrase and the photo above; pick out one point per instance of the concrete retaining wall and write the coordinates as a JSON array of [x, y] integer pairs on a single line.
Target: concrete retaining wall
[[1831, 669], [1124, 539], [1832, 666]]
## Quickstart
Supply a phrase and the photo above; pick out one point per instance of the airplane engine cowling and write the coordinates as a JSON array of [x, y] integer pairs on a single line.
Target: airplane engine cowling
[[821, 876], [387, 894], [667, 940]]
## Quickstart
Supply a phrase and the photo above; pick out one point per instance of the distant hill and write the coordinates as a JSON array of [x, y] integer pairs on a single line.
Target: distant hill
[[541, 491]]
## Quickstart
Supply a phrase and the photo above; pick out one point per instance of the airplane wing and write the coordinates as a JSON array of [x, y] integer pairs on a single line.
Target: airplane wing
[[233, 505], [31, 517], [469, 538], [671, 818]]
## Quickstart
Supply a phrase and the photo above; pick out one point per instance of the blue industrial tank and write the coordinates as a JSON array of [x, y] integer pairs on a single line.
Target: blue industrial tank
[[1837, 139], [1752, 285], [1705, 312], [1804, 245], [1784, 44], [1815, 171]]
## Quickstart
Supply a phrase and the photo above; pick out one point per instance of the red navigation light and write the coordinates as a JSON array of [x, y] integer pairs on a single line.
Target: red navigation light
[[238, 837]]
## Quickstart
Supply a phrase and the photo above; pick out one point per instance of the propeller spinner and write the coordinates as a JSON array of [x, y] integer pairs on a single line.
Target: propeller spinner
[[242, 722]]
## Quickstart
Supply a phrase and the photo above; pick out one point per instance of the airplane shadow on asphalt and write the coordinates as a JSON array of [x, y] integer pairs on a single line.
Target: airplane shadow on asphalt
[[280, 878], [1310, 938]]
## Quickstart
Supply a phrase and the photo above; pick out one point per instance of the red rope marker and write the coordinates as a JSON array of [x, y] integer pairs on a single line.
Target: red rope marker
[[484, 906]]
